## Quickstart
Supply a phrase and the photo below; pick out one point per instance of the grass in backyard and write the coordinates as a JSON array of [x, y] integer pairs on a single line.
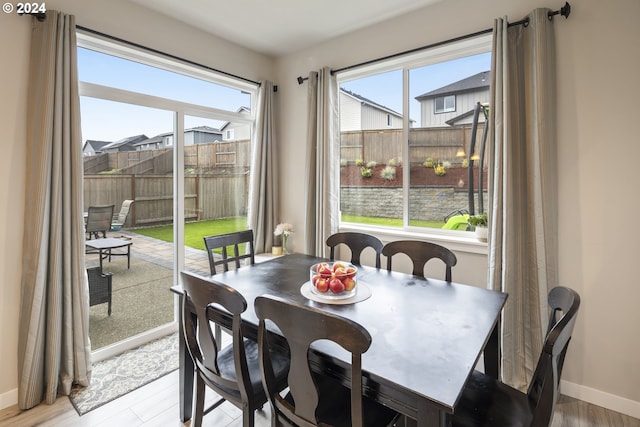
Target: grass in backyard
[[195, 231], [389, 222]]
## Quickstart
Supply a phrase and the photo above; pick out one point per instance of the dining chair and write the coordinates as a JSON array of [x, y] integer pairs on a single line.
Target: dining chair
[[420, 252], [315, 399], [121, 217], [356, 242], [233, 371], [221, 241], [486, 401], [98, 220]]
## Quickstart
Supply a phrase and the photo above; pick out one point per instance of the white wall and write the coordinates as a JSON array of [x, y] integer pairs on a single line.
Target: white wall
[[119, 18], [14, 43], [598, 146]]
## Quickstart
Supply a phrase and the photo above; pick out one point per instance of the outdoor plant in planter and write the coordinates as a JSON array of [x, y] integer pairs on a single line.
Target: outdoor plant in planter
[[428, 163], [365, 172], [479, 224], [440, 169], [388, 173]]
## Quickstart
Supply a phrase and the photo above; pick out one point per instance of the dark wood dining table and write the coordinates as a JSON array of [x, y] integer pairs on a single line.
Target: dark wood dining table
[[428, 334]]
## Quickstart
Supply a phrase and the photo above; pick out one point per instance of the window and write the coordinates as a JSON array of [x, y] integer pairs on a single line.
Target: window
[[445, 104], [414, 176], [150, 127]]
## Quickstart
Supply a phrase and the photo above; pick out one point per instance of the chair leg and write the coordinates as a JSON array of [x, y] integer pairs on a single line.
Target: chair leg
[[248, 416], [199, 410]]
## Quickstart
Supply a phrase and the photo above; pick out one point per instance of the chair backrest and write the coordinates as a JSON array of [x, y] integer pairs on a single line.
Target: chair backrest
[[221, 241], [301, 326], [420, 252], [543, 389], [357, 242], [201, 295], [99, 219], [121, 218]]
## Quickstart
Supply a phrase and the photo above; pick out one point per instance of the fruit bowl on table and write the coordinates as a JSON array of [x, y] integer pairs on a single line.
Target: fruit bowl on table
[[335, 280]]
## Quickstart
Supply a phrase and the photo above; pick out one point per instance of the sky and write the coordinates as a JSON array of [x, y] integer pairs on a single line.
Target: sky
[[110, 121], [386, 89]]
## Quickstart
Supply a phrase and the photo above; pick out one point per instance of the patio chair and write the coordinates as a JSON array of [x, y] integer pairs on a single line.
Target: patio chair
[[486, 401], [100, 287], [99, 221], [119, 219], [356, 242], [314, 399], [420, 252], [233, 371], [221, 241]]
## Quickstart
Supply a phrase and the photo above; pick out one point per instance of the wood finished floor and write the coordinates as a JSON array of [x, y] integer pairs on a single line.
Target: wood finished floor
[[156, 404]]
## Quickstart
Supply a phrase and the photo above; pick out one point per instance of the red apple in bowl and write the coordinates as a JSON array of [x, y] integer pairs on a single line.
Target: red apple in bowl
[[333, 280]]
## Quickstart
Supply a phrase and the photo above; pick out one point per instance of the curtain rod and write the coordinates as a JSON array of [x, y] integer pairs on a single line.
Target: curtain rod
[[168, 55], [40, 16], [564, 11]]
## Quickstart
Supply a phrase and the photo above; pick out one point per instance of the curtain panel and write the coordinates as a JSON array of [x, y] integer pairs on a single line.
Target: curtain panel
[[263, 189], [523, 196], [322, 162], [54, 349]]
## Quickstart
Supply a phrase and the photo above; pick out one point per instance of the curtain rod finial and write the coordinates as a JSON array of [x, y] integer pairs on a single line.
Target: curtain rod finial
[[40, 16], [300, 80], [564, 11]]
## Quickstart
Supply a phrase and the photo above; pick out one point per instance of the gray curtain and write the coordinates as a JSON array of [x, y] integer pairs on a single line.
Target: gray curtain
[[322, 163], [54, 349], [263, 190], [523, 196]]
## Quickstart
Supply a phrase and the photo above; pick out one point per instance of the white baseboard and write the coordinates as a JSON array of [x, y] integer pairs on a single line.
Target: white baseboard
[[601, 398], [9, 398]]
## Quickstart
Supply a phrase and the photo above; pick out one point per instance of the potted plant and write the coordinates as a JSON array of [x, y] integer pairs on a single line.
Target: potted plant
[[283, 230], [479, 224]]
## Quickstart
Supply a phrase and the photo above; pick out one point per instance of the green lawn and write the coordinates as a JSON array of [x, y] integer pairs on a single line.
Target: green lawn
[[389, 222], [195, 231]]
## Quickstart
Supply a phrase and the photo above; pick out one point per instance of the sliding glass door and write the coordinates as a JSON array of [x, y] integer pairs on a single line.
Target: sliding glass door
[[172, 144]]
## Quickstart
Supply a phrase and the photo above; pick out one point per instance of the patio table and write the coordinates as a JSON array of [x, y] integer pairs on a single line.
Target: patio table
[[428, 334], [105, 248]]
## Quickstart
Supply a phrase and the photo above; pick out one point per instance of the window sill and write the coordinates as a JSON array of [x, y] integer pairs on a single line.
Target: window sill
[[456, 241]]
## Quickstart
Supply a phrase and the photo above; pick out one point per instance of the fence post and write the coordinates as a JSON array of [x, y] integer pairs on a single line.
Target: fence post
[[132, 179]]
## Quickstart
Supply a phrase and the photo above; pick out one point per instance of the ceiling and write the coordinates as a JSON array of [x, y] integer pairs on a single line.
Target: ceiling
[[279, 27]]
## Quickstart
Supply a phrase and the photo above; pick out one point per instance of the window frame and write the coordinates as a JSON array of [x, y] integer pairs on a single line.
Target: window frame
[[455, 239], [444, 104], [179, 109]]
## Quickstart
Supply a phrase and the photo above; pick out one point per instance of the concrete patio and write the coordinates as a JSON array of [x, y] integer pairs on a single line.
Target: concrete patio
[[141, 296]]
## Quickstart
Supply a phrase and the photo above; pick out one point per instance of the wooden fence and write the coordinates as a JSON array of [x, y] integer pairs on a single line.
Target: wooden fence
[[217, 174], [382, 145], [199, 156], [207, 196]]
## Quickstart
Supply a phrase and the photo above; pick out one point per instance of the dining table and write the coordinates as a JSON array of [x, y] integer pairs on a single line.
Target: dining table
[[428, 335]]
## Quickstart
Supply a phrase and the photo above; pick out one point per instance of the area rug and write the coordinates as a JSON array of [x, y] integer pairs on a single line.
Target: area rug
[[126, 372]]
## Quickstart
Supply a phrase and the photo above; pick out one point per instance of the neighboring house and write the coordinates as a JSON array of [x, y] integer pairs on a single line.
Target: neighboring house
[[192, 136], [201, 135], [92, 147], [125, 144], [360, 113], [159, 141], [453, 104], [236, 131]]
